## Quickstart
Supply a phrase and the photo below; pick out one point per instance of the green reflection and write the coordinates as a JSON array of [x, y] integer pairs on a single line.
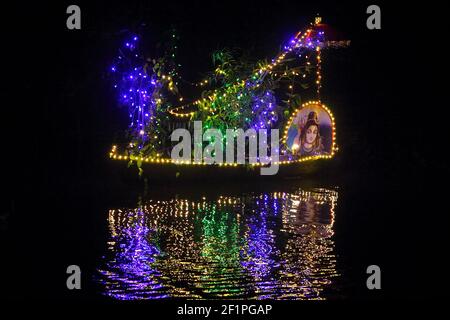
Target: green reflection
[[275, 245]]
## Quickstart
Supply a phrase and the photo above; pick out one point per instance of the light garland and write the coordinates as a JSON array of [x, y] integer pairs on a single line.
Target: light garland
[[116, 156], [318, 72], [298, 41]]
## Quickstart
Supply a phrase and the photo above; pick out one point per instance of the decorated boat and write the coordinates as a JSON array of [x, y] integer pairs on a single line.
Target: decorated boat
[[241, 104]]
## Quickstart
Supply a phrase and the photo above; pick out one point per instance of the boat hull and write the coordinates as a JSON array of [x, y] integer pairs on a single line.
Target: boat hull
[[173, 172]]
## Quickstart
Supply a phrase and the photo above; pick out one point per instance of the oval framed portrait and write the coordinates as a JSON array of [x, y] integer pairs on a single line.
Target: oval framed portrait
[[310, 131]]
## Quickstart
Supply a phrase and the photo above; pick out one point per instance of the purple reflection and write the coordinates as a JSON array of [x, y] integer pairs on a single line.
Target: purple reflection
[[130, 273]]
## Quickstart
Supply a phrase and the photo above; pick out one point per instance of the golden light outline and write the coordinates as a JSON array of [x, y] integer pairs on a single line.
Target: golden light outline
[[324, 107]]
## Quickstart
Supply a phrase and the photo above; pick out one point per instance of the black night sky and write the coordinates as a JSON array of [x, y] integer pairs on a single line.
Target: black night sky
[[59, 116]]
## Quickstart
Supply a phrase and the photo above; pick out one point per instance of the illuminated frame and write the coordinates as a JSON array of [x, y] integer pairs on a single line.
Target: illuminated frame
[[334, 147]]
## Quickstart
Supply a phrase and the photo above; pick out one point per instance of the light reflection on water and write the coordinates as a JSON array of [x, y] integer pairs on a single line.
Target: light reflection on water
[[257, 246]]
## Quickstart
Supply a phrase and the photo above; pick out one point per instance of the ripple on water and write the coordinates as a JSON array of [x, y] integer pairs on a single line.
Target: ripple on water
[[258, 246]]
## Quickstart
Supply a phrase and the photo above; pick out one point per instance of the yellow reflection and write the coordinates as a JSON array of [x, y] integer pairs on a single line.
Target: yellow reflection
[[276, 245]]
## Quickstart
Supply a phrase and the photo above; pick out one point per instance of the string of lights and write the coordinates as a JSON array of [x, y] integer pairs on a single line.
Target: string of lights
[[301, 40]]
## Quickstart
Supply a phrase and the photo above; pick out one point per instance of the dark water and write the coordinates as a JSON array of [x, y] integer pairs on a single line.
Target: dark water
[[276, 245], [290, 239]]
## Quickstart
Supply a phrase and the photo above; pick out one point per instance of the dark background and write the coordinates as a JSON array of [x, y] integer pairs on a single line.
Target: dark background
[[59, 117]]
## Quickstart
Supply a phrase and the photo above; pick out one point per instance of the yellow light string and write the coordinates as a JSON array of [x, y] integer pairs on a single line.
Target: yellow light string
[[179, 114], [260, 72], [154, 160], [319, 75]]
